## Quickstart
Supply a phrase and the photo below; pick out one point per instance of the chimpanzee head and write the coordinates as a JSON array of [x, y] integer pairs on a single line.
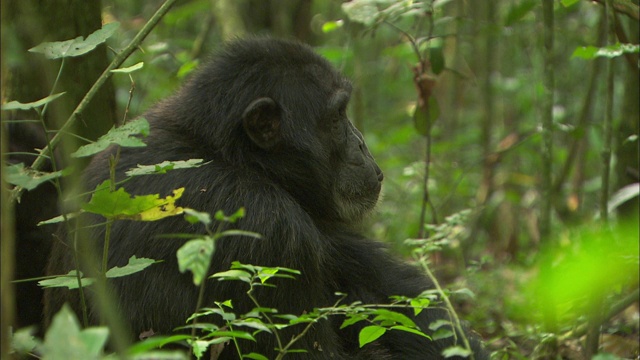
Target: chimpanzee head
[[281, 109]]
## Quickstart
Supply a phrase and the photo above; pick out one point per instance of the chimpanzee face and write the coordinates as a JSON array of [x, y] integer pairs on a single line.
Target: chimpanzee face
[[310, 132]]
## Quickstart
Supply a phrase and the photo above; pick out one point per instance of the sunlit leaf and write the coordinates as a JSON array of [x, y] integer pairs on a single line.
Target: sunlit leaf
[[370, 334], [419, 304], [120, 205], [330, 26], [593, 261], [611, 51]]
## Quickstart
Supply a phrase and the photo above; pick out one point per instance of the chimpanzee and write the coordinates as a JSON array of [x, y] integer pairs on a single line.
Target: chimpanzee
[[269, 118]]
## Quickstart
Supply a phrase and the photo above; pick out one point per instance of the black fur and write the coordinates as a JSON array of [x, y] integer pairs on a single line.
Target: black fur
[[269, 117]]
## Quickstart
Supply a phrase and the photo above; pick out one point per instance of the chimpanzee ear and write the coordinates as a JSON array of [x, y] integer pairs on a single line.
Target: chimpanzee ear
[[261, 121]]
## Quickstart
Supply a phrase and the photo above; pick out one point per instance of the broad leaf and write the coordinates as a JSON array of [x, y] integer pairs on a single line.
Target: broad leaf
[[135, 265], [77, 344], [120, 205], [78, 46], [69, 281], [611, 51], [18, 174], [370, 334], [195, 256], [125, 135]]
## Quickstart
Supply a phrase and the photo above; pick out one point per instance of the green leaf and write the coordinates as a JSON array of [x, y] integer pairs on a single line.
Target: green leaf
[[234, 232], [456, 351], [69, 280], [124, 135], [18, 174], [187, 68], [352, 319], [163, 167], [234, 334], [255, 356], [611, 51], [384, 315], [442, 333], [59, 219], [419, 304], [65, 340], [219, 215], [194, 217], [78, 46], [233, 275], [120, 205], [330, 26], [154, 343], [195, 256], [410, 330], [15, 105], [370, 334], [129, 69], [254, 324], [23, 341], [135, 265], [435, 325], [198, 347]]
